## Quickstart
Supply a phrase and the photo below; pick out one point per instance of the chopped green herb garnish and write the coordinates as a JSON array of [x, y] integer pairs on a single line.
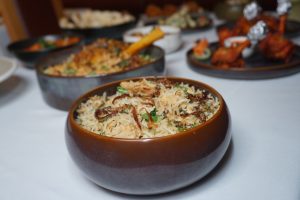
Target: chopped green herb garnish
[[145, 117], [69, 71], [153, 115], [105, 67], [177, 85], [92, 73], [181, 128], [145, 57], [45, 44], [124, 63], [117, 51], [122, 90]]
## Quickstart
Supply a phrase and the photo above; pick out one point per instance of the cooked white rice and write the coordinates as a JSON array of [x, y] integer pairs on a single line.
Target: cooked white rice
[[147, 109]]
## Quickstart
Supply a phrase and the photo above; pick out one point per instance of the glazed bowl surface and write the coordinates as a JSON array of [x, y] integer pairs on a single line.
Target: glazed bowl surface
[[153, 165]]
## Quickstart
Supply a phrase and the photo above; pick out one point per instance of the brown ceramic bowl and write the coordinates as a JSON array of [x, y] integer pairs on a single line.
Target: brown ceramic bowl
[[149, 166]]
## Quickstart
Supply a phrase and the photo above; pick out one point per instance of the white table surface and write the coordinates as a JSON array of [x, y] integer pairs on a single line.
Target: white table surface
[[262, 163]]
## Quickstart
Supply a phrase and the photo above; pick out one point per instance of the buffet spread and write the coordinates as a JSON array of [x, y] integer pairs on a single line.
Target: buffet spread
[[129, 118]]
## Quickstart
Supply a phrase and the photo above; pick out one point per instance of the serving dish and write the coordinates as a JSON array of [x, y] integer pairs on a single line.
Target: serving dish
[[29, 58], [152, 165], [256, 66], [91, 34], [206, 22], [170, 43], [96, 23], [189, 16], [59, 92], [7, 68]]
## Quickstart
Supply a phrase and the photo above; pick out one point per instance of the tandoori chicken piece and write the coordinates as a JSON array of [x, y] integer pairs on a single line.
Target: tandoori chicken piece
[[276, 47], [227, 57]]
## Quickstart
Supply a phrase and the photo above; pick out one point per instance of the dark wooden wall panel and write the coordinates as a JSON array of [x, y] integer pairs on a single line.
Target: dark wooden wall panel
[[38, 16]]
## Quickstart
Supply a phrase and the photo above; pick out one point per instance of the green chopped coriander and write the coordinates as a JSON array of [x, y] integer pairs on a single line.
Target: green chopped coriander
[[153, 115], [92, 73], [45, 44], [117, 51], [105, 67], [124, 63], [145, 117], [122, 90], [177, 85], [181, 128], [69, 71], [145, 57]]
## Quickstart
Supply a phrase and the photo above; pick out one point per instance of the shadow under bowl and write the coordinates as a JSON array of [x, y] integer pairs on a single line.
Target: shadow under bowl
[[60, 92], [154, 165], [30, 58]]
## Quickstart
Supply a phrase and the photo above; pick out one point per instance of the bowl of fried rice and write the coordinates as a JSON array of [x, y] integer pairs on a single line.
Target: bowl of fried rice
[[148, 135], [65, 75]]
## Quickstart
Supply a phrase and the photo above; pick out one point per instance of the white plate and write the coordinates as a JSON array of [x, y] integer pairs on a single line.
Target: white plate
[[7, 68]]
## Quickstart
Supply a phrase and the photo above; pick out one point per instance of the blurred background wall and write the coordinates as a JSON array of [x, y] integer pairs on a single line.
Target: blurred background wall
[[30, 18]]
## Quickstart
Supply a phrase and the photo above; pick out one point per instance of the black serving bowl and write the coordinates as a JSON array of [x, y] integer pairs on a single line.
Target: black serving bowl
[[91, 34], [60, 92], [29, 58]]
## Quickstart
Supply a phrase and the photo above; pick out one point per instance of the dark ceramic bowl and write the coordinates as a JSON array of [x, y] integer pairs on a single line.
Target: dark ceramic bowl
[[29, 58], [149, 166], [60, 92], [110, 31]]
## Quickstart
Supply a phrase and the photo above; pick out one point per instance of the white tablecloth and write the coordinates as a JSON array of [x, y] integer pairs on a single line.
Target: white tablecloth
[[262, 163]]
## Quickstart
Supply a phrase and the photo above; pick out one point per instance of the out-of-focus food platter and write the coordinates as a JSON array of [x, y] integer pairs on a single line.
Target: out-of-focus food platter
[[254, 47], [256, 66], [97, 23], [188, 16], [30, 50]]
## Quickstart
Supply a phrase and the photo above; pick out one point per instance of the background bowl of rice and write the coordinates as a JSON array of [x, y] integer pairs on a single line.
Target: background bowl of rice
[[152, 165], [60, 91]]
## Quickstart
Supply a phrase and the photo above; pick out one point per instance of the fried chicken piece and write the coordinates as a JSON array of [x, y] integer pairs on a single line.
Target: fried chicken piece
[[225, 57], [153, 11], [192, 6], [223, 34], [169, 9], [276, 47]]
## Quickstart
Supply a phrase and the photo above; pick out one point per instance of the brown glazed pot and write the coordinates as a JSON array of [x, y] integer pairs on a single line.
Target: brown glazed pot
[[149, 166]]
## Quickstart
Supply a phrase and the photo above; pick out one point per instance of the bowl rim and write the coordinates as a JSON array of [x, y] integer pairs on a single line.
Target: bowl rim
[[72, 122], [128, 23], [34, 39], [39, 66], [175, 30]]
